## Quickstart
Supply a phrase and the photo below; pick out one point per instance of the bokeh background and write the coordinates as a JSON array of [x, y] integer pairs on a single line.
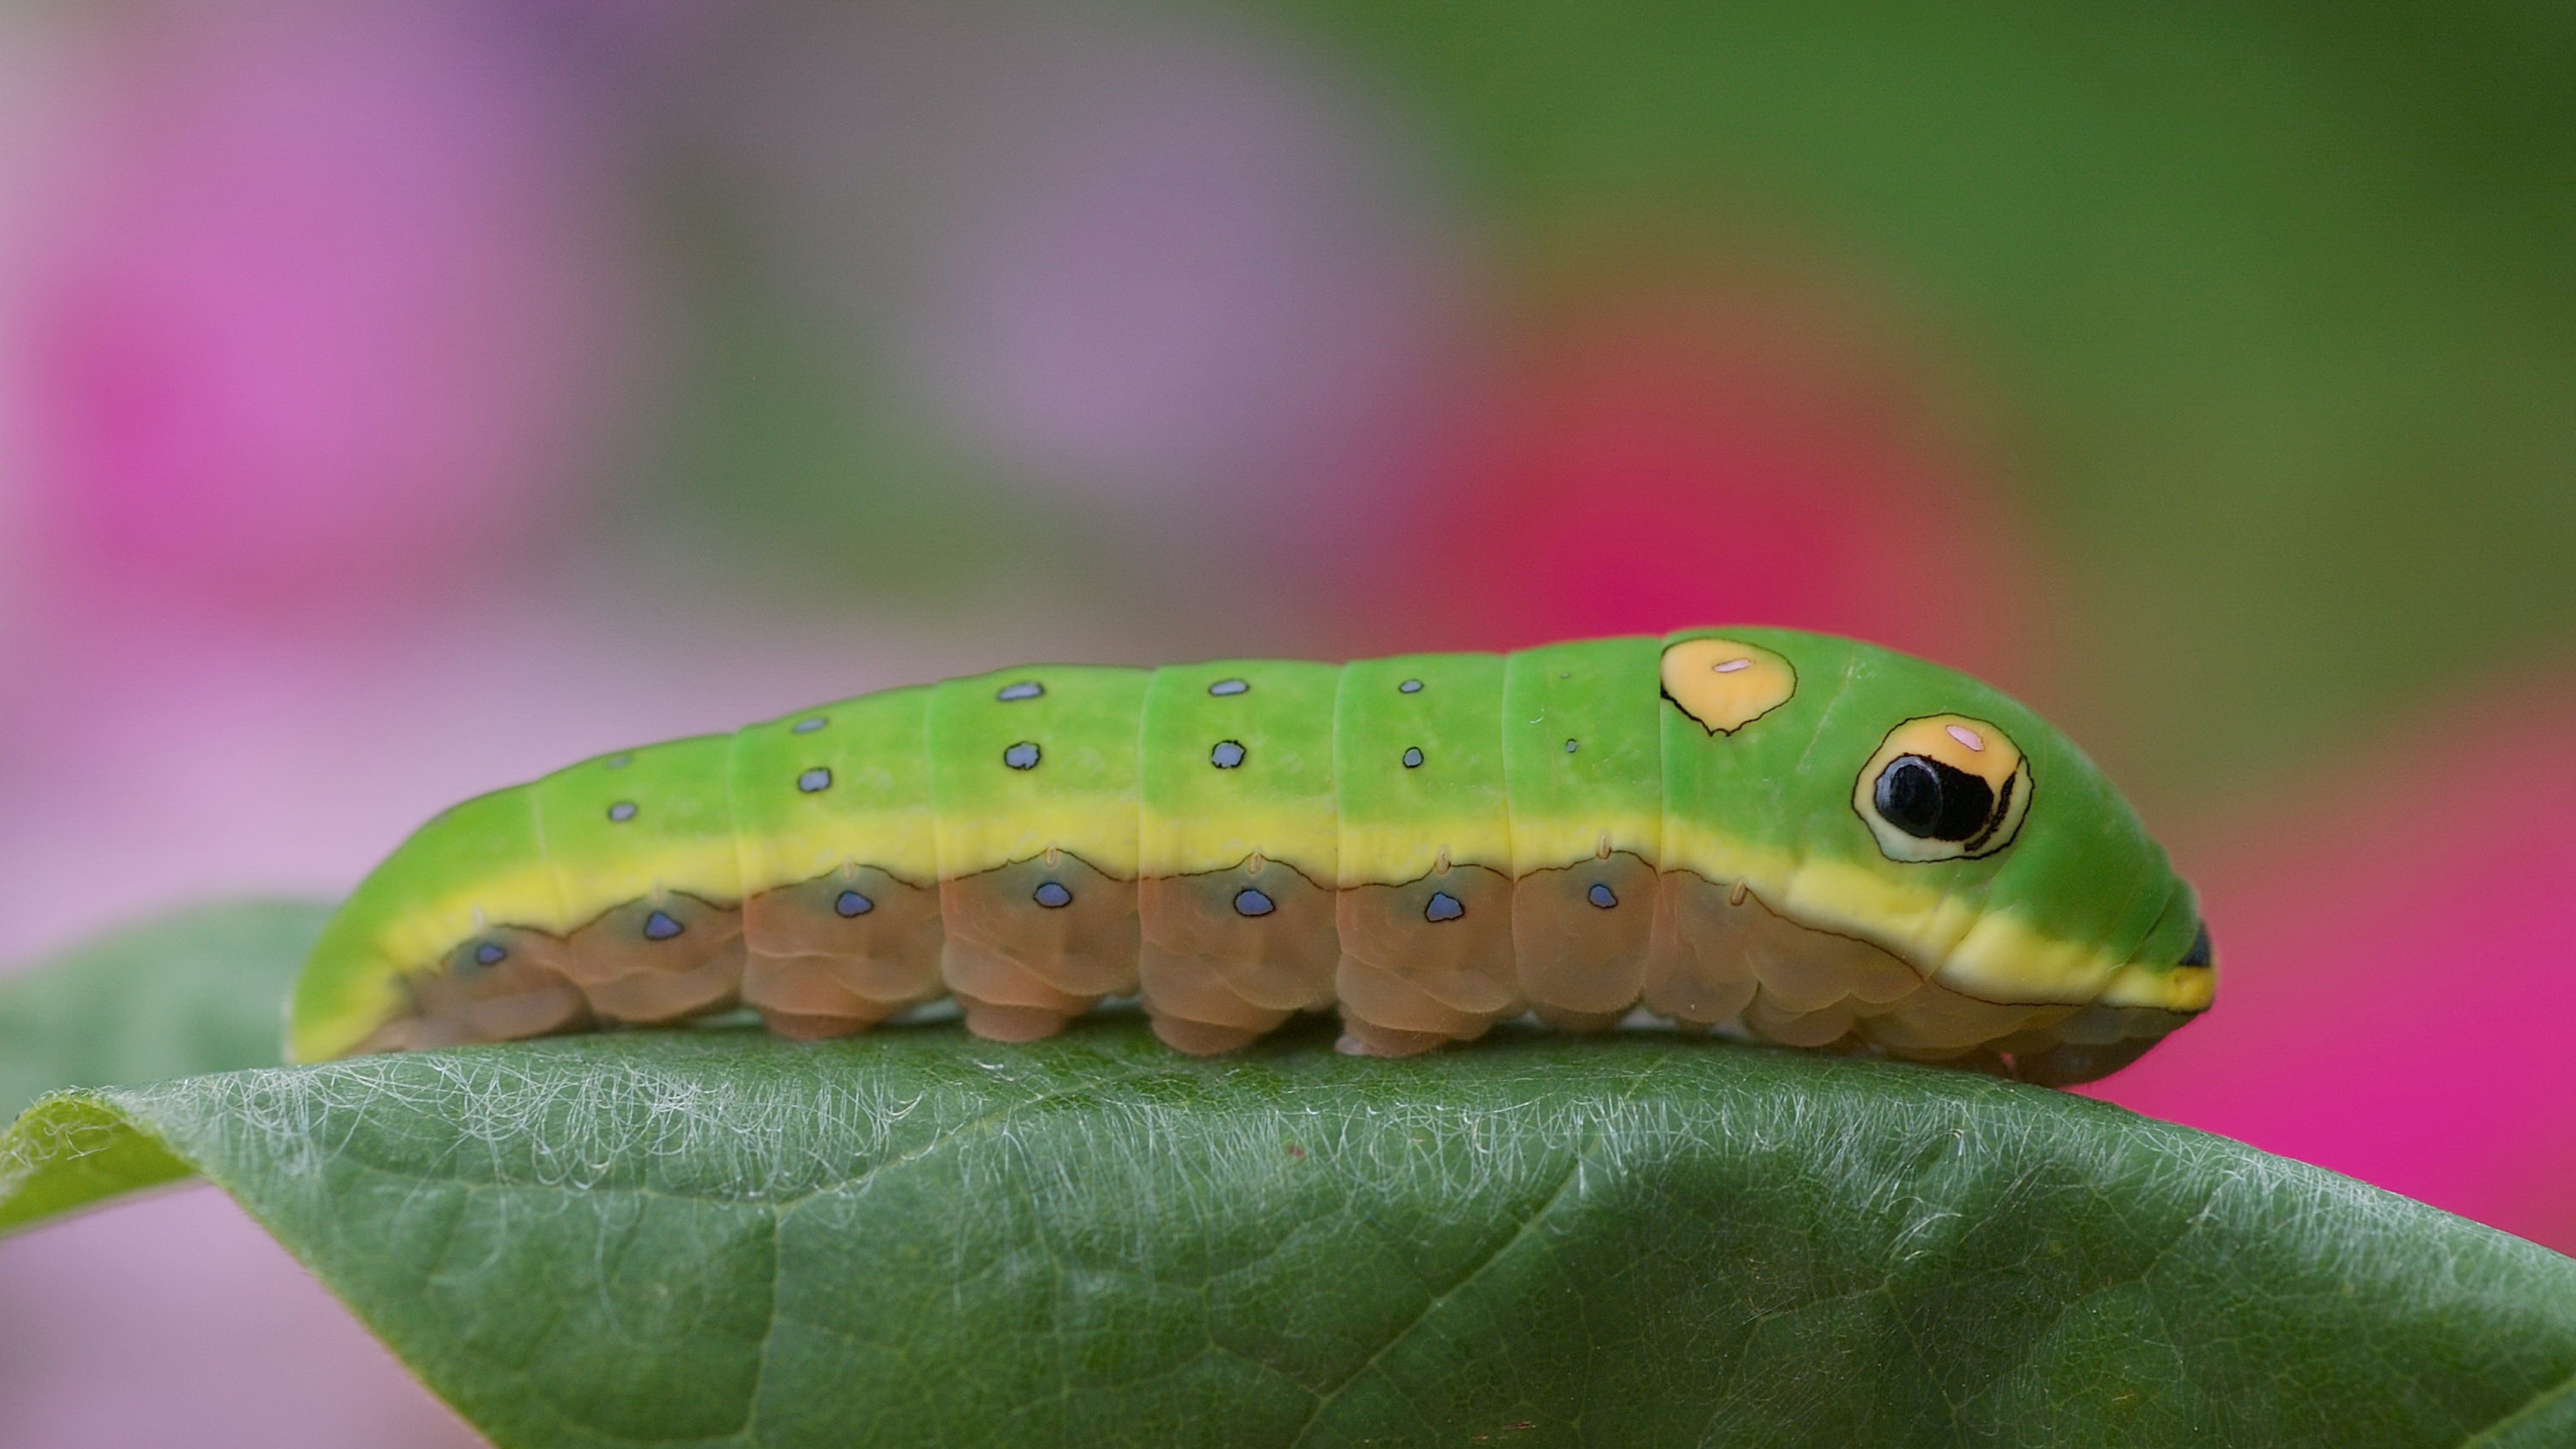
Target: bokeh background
[[400, 399]]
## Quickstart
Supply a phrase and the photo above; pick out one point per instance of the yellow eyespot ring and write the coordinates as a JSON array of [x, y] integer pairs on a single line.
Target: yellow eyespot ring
[[1944, 787], [1726, 685]]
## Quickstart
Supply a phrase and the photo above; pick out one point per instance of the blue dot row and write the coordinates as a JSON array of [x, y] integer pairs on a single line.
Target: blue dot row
[[1055, 895]]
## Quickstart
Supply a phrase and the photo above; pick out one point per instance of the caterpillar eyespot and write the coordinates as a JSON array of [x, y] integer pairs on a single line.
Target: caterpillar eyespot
[[1806, 839], [1944, 788]]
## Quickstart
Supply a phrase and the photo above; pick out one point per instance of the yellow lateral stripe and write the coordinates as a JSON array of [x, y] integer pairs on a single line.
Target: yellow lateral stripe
[[899, 842], [1552, 842], [1394, 854], [702, 866], [523, 896], [970, 846], [2184, 988], [1989, 954], [1303, 837]]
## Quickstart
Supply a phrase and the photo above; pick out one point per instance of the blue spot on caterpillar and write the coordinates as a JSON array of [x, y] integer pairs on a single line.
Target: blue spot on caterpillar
[[1052, 896], [1229, 686], [808, 726], [851, 903], [1413, 759], [660, 927], [1443, 907], [622, 811], [1025, 689], [814, 779], [1602, 896], [1250, 902], [1022, 756], [489, 954], [1227, 754]]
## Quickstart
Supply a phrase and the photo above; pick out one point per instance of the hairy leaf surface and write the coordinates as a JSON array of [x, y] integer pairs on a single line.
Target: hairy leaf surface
[[721, 1238]]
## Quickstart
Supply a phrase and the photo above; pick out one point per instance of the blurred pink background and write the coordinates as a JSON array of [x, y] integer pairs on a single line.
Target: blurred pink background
[[401, 399]]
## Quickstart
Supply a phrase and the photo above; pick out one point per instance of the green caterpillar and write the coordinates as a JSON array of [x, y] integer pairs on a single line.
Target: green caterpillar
[[1821, 842]]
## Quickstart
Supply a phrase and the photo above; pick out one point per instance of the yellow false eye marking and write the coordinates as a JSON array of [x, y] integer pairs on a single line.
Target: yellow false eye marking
[[1943, 787], [1726, 685]]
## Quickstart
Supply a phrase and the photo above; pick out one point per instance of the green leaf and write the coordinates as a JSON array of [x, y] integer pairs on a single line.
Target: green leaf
[[719, 1238], [197, 990]]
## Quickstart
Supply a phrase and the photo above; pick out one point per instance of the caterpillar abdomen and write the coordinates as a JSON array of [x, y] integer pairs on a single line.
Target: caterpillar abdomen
[[1819, 842]]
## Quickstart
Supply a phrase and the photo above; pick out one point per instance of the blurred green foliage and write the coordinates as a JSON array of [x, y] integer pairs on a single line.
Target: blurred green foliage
[[200, 989]]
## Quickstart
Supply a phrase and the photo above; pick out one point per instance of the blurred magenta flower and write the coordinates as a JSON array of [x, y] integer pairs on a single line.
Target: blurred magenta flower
[[1681, 460], [331, 315], [2397, 959]]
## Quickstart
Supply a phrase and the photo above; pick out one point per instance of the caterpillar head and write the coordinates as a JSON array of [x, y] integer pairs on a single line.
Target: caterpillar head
[[1863, 792]]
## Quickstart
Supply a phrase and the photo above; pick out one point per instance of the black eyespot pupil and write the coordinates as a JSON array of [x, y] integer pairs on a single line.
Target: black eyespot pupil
[[1933, 801], [1909, 796]]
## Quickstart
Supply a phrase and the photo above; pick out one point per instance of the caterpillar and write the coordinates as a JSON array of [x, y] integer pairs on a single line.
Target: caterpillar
[[1793, 836]]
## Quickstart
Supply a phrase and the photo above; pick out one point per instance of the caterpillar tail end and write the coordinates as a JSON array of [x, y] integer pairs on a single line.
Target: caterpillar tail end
[[413, 957], [347, 994]]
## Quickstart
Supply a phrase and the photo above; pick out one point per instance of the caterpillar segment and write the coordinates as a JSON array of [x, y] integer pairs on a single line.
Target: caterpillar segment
[[1801, 838], [1239, 833], [836, 940]]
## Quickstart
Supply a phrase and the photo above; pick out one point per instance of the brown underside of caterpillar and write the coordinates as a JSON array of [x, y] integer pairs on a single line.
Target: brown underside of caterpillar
[[1222, 958]]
